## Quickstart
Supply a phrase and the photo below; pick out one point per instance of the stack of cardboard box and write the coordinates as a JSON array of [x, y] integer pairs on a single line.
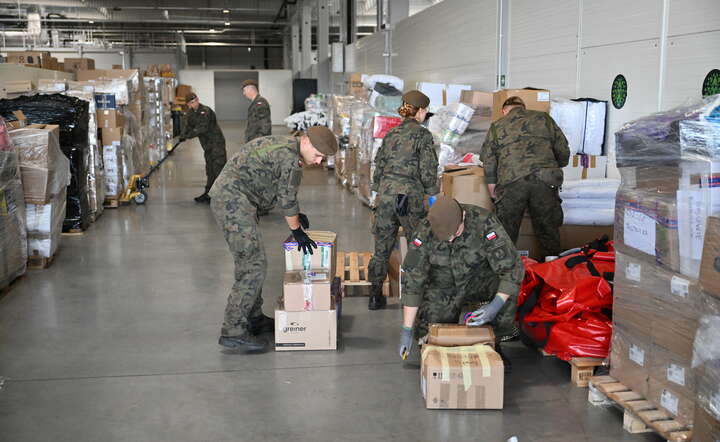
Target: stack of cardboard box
[[36, 59], [78, 64], [660, 224], [13, 242], [460, 368], [306, 316]]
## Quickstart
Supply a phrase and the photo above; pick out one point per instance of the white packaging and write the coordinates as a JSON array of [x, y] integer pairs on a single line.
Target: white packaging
[[583, 123], [588, 203], [589, 217]]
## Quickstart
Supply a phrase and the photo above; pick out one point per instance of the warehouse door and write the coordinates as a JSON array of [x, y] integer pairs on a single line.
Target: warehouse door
[[230, 103]]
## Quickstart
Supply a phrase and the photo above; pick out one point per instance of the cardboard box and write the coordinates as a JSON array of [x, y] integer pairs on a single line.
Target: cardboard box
[[107, 118], [660, 179], [456, 335], [110, 135], [676, 370], [323, 258], [710, 265], [589, 167], [79, 64], [706, 427], [677, 402], [469, 377], [482, 102], [467, 186], [38, 59], [18, 86], [630, 359], [306, 291], [19, 122], [313, 330], [572, 236], [535, 99], [105, 101], [355, 85], [38, 147]]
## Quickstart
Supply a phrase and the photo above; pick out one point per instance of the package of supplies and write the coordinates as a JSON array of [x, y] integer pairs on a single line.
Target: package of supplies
[[456, 335], [468, 377], [306, 291], [710, 267], [630, 359], [305, 330], [51, 86], [382, 125], [323, 258], [534, 99], [583, 123]]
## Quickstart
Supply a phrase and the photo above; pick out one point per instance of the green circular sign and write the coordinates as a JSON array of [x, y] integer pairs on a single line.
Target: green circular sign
[[618, 93], [711, 84]]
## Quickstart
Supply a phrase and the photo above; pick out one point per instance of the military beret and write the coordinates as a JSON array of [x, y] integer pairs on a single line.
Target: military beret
[[445, 217], [190, 97], [250, 82], [417, 99], [323, 140]]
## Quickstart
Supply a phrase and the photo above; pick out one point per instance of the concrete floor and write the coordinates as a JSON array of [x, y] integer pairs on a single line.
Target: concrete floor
[[117, 341]]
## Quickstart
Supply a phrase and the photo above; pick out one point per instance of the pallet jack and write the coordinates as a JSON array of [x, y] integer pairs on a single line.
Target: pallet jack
[[138, 183]]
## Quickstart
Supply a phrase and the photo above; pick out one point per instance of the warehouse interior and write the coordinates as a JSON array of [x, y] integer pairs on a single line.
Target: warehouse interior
[[114, 281]]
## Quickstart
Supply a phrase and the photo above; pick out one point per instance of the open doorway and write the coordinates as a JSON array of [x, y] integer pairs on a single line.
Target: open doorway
[[230, 103]]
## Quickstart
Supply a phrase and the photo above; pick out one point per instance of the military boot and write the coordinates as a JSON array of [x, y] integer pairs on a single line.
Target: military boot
[[204, 198], [244, 343], [262, 324], [377, 300]]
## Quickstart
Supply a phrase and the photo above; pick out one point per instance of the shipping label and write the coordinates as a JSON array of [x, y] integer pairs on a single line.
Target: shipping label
[[669, 402], [676, 374], [637, 355], [633, 272], [679, 287], [639, 231]]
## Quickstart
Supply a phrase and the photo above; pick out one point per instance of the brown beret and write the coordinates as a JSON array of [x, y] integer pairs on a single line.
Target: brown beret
[[514, 101], [250, 82], [417, 99], [190, 97], [323, 140], [445, 217]]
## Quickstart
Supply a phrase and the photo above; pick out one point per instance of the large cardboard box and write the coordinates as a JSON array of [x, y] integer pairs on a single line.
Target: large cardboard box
[[710, 266], [79, 64], [456, 335], [706, 427], [467, 186], [38, 147], [482, 102], [572, 236], [583, 167], [630, 359], [110, 135], [323, 258], [107, 118], [313, 330], [535, 99], [470, 377], [355, 85], [306, 291], [674, 369], [38, 59], [660, 179], [677, 402]]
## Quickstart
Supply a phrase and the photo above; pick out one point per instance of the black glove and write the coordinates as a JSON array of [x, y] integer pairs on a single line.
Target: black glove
[[401, 204], [304, 242], [304, 222]]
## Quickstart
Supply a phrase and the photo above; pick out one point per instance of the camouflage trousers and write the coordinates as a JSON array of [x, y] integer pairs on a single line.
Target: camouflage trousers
[[238, 219], [215, 159], [385, 230], [544, 206], [445, 304]]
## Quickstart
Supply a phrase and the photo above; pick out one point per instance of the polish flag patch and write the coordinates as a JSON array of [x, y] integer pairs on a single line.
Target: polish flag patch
[[417, 242], [490, 236]]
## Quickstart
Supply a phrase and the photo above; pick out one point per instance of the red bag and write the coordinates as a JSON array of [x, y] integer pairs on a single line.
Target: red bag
[[562, 303], [383, 124]]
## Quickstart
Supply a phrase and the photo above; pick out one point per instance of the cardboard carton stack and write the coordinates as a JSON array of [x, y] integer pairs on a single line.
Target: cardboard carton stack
[[659, 230], [158, 115], [307, 314], [460, 368], [78, 64], [45, 175], [375, 127], [13, 240], [36, 59]]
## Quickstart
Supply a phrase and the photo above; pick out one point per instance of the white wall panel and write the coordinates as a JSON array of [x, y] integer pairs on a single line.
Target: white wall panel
[[616, 21], [689, 59], [638, 62], [454, 41], [202, 82], [543, 45], [369, 54], [277, 88], [693, 16]]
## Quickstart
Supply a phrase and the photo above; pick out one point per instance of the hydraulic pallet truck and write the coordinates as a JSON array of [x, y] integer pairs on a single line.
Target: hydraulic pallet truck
[[138, 183]]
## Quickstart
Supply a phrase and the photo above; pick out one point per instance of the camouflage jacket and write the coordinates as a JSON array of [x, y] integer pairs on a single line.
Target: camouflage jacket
[[259, 123], [202, 123], [265, 170], [482, 251], [406, 161], [521, 143]]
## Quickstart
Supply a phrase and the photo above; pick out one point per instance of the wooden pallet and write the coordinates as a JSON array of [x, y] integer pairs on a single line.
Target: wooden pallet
[[37, 262], [581, 369], [640, 415], [74, 232], [352, 270], [111, 203]]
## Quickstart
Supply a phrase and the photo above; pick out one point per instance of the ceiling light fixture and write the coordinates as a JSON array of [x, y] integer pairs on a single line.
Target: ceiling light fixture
[[91, 21], [226, 11], [212, 30], [227, 23], [249, 49]]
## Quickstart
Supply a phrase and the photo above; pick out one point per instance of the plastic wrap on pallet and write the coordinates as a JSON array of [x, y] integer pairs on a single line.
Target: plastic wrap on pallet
[[447, 126], [13, 235], [44, 169], [369, 81], [51, 86], [388, 103], [44, 226], [96, 173], [317, 103], [71, 114], [706, 356], [339, 115], [583, 123], [301, 121]]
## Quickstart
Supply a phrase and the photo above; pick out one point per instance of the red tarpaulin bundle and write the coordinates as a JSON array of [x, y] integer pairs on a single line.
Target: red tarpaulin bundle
[[564, 305]]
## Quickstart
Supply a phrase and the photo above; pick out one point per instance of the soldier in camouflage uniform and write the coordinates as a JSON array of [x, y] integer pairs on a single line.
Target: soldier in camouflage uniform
[[523, 156], [201, 122], [405, 172], [266, 170], [259, 123], [460, 254]]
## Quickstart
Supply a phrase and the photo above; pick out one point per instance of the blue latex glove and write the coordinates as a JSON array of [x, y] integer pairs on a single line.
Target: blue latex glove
[[406, 341]]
